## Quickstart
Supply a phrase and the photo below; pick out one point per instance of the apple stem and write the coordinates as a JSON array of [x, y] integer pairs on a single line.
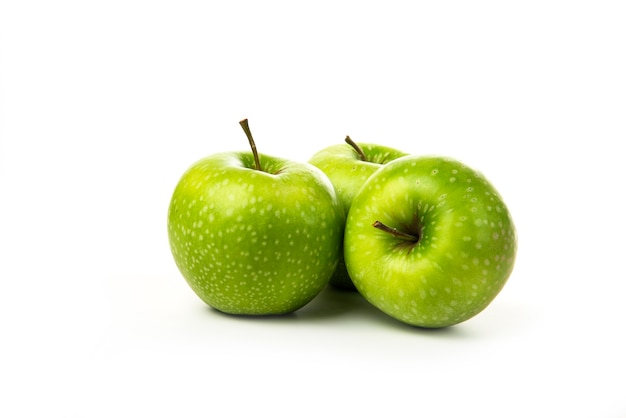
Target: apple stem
[[356, 148], [395, 232], [246, 129]]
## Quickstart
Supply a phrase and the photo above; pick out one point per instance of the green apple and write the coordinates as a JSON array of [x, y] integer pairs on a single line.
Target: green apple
[[348, 166], [429, 241], [254, 234]]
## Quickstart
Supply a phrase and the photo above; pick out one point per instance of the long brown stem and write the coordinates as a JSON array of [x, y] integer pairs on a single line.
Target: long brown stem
[[395, 232], [246, 129], [356, 148]]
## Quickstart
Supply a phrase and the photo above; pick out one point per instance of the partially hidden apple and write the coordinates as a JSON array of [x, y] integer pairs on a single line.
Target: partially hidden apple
[[429, 241], [254, 234], [348, 166]]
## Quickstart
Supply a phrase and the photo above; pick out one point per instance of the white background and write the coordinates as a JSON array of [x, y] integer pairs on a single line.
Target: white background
[[105, 104]]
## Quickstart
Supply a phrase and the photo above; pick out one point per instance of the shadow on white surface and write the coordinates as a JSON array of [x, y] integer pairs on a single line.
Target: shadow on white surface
[[339, 308]]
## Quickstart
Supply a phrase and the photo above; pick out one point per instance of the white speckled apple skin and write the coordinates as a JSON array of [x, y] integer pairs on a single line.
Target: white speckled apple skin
[[253, 242], [466, 249]]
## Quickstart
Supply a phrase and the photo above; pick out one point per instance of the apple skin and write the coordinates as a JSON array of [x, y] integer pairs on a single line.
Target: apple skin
[[348, 172], [253, 242], [465, 252]]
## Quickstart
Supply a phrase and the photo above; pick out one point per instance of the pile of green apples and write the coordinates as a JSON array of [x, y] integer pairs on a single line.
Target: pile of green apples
[[425, 239]]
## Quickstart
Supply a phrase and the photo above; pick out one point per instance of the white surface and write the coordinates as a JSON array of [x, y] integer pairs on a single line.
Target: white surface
[[105, 104]]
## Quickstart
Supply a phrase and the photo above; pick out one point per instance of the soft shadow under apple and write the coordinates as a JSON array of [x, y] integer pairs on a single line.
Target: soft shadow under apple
[[333, 304]]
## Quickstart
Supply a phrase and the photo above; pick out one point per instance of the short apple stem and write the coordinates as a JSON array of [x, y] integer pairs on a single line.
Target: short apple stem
[[395, 232], [356, 148], [246, 129]]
